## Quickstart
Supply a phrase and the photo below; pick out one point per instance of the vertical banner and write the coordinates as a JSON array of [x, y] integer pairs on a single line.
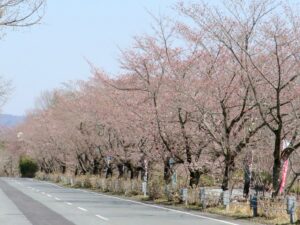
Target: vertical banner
[[284, 168], [284, 174]]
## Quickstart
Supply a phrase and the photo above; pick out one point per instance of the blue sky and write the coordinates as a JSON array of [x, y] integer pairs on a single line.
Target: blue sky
[[44, 56]]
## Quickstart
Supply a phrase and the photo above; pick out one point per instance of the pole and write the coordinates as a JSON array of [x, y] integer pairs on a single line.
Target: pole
[[145, 178]]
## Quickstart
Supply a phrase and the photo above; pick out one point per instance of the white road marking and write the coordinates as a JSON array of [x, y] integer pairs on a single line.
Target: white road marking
[[58, 199], [103, 218], [158, 207], [82, 209], [51, 184], [168, 209], [69, 203], [50, 196]]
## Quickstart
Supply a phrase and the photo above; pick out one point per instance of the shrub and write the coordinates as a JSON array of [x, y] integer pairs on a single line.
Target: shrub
[[86, 182], [28, 167], [295, 189], [77, 182], [156, 189], [207, 180]]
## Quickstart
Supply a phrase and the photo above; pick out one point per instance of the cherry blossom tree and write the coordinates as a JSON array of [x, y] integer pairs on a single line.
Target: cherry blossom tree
[[20, 13], [264, 46]]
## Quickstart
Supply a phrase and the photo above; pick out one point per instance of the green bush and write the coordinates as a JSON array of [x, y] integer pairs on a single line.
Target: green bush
[[264, 178], [295, 189], [28, 167], [207, 181]]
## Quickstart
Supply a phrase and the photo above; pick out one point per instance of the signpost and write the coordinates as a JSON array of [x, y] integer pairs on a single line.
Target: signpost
[[184, 195], [291, 208], [253, 205], [202, 196], [226, 199], [145, 178], [144, 188]]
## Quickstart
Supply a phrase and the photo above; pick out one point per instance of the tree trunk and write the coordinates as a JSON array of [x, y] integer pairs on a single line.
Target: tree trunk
[[96, 167], [247, 178], [81, 163], [134, 173], [121, 170], [229, 167], [143, 173], [167, 172], [277, 164], [63, 169], [109, 172], [194, 178]]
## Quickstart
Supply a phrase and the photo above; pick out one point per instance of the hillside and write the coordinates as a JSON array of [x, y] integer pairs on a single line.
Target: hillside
[[10, 120]]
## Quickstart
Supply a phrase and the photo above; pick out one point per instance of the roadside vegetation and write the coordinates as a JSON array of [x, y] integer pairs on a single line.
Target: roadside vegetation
[[28, 167]]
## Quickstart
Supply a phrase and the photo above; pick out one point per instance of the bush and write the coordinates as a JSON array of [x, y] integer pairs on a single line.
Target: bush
[[207, 181], [295, 189], [28, 167], [86, 182], [156, 188]]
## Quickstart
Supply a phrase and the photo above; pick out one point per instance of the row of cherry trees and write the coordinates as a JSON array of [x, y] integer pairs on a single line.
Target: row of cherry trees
[[15, 14], [216, 91]]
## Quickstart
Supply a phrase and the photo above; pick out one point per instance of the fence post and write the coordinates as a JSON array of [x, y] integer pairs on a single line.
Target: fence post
[[202, 196], [184, 195], [145, 178], [168, 191], [253, 205], [144, 188], [174, 180], [291, 208], [226, 199]]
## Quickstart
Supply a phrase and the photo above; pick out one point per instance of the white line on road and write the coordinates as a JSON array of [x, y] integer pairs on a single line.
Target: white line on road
[[50, 196], [69, 203], [82, 209], [102, 218], [51, 184], [58, 199], [168, 209], [160, 207]]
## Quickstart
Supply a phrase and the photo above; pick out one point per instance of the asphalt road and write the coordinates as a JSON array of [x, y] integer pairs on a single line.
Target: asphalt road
[[31, 202]]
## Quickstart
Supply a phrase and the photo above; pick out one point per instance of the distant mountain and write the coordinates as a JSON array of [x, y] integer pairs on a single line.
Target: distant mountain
[[10, 120]]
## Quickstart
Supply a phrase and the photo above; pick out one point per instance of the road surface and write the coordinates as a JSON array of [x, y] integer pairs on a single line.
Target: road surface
[[31, 202]]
